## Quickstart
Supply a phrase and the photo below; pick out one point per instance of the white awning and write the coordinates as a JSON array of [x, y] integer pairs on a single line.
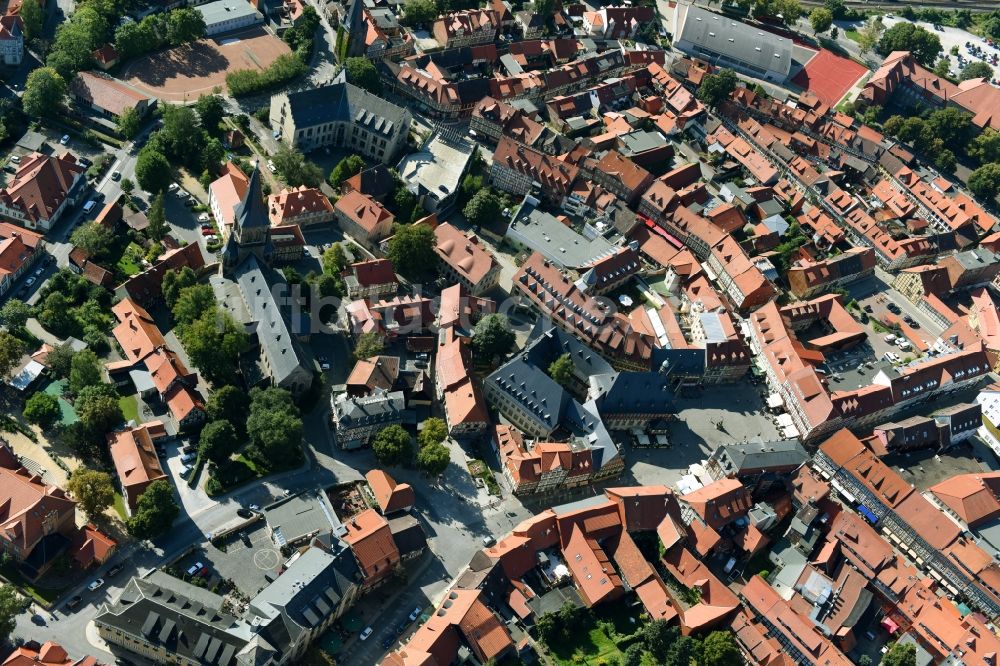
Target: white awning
[[791, 432], [784, 420]]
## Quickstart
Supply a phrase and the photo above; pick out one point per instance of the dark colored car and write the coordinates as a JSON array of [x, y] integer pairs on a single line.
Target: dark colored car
[[117, 569], [893, 308], [388, 641], [244, 513], [74, 602]]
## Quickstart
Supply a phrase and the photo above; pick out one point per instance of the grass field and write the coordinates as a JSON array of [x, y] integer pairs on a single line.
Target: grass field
[[596, 647], [130, 408], [120, 506], [129, 263]]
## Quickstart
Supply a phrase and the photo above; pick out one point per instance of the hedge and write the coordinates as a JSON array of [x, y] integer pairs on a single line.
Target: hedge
[[243, 82]]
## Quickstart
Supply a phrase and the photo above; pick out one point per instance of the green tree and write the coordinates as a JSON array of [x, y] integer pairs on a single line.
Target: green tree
[[33, 16], [211, 110], [128, 123], [561, 371], [945, 161], [155, 512], [904, 36], [98, 409], [193, 303], [362, 73], [185, 25], [157, 218], [214, 343], [716, 88], [900, 654], [175, 281], [93, 238], [984, 182], [295, 169], [11, 605], [433, 459], [493, 336], [44, 93], [275, 429], [85, 370], [334, 259], [787, 11], [419, 12], [11, 352], [434, 431], [43, 410], [942, 68], [15, 314], [95, 491], [60, 360], [838, 8], [719, 649], [411, 251], [212, 154], [368, 344], [820, 19], [182, 137], [484, 207], [976, 70], [684, 651], [633, 655], [392, 446], [870, 34], [985, 147], [153, 171], [864, 660], [218, 441], [127, 186], [54, 313], [229, 403], [658, 636], [347, 167], [133, 38]]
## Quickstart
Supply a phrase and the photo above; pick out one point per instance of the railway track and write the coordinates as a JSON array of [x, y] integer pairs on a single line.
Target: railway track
[[890, 5]]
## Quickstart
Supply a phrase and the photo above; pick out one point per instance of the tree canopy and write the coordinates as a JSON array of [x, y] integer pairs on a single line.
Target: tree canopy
[[900, 654], [433, 459], [94, 490], [493, 336], [295, 169], [561, 370], [905, 36], [229, 403], [84, 371], [11, 351], [214, 343], [153, 171], [719, 649], [419, 12], [368, 344], [275, 429], [15, 314], [44, 93], [821, 19], [484, 207], [345, 168], [42, 409], [98, 409], [716, 88], [434, 431], [11, 605], [362, 73], [411, 251], [976, 70], [155, 511], [93, 238], [984, 182], [218, 441], [392, 446]]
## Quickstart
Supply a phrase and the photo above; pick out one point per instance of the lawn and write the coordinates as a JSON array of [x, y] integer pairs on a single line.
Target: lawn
[[120, 506], [130, 262], [596, 647], [852, 34], [130, 408]]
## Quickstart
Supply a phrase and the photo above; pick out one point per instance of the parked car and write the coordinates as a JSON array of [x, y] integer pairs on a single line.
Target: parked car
[[195, 568], [254, 507], [74, 602], [203, 217], [244, 513], [388, 641], [64, 140], [893, 308], [115, 570], [181, 194], [365, 633], [211, 238], [489, 541], [416, 613], [271, 167], [890, 339], [16, 159], [172, 187], [30, 281], [39, 271], [116, 175], [96, 585], [207, 231], [89, 206], [191, 202], [188, 457]]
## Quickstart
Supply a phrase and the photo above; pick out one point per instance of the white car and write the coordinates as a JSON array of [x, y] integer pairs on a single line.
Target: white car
[[211, 238], [254, 507], [890, 339], [30, 281], [96, 585], [172, 186], [271, 167], [416, 613], [204, 217], [63, 141], [365, 633]]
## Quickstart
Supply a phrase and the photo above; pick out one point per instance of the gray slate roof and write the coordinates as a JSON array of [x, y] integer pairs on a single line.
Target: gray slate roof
[[166, 612], [382, 407], [257, 285], [343, 102], [737, 40], [252, 211], [764, 455]]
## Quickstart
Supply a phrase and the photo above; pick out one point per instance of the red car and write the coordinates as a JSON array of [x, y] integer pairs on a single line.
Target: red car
[[207, 232]]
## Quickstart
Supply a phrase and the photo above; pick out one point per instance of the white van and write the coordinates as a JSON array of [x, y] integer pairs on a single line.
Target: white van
[[889, 339], [89, 206]]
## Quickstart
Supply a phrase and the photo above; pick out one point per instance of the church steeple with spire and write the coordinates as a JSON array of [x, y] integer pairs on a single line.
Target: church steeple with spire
[[251, 232]]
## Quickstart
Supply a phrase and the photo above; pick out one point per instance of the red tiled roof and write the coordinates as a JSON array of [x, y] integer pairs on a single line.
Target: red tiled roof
[[41, 184], [389, 495]]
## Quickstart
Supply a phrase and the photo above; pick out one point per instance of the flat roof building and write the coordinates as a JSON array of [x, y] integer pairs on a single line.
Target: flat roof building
[[227, 15]]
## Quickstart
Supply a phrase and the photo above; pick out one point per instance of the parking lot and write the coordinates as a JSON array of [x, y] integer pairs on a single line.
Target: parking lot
[[249, 562]]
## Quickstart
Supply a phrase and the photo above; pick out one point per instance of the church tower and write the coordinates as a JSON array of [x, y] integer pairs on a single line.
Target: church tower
[[251, 232]]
